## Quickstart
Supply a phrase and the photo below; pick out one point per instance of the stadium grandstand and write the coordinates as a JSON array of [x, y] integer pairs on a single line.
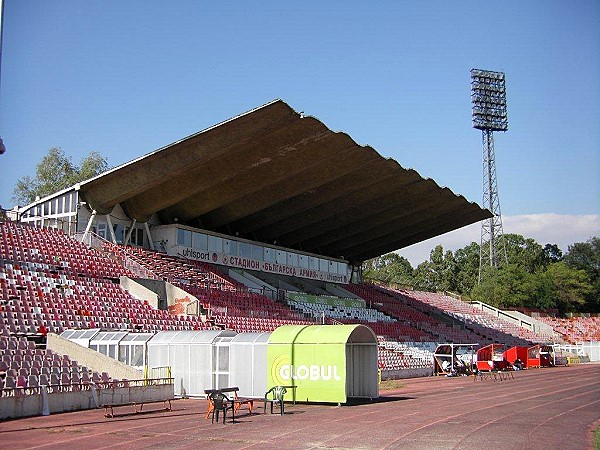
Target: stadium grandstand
[[261, 221]]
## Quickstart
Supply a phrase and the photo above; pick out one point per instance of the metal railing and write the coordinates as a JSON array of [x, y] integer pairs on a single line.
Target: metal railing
[[104, 246], [157, 373]]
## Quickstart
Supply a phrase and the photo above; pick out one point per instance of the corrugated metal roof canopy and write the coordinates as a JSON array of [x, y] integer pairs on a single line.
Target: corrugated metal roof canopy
[[274, 176]]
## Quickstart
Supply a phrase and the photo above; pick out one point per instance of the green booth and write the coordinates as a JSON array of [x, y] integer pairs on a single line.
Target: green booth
[[323, 363]]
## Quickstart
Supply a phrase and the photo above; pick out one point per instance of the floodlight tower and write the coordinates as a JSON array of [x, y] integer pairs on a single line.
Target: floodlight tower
[[488, 98]]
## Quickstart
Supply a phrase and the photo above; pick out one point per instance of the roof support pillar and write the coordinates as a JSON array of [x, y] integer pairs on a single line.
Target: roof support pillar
[[150, 241], [88, 226], [111, 229], [131, 227]]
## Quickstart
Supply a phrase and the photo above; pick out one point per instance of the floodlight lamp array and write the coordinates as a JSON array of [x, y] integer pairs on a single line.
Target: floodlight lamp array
[[488, 97]]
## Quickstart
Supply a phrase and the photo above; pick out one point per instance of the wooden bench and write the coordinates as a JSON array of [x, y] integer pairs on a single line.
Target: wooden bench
[[237, 401]]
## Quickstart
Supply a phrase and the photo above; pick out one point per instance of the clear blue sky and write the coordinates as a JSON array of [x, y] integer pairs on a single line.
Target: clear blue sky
[[126, 77]]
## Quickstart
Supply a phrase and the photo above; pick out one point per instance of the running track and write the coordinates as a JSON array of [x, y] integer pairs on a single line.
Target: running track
[[553, 408]]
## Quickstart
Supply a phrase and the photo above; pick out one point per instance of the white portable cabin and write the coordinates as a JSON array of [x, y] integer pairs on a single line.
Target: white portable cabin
[[127, 347], [199, 360], [107, 342], [132, 349], [248, 363], [81, 337]]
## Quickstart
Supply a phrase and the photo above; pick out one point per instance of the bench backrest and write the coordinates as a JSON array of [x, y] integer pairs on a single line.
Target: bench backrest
[[233, 389], [230, 389]]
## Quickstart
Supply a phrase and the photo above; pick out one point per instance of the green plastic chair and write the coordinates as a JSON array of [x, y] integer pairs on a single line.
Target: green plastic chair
[[274, 396], [221, 403]]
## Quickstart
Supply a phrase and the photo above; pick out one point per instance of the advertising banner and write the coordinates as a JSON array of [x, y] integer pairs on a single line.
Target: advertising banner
[[262, 266]]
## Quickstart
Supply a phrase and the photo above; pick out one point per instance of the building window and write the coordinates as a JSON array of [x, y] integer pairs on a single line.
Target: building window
[[199, 241], [292, 259], [269, 255], [245, 250], [233, 248], [184, 237], [103, 230], [257, 252], [281, 257], [215, 244]]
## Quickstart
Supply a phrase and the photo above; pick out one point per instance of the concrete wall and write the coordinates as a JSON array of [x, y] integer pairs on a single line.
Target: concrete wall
[[144, 289], [174, 293], [406, 373], [92, 359], [515, 317], [53, 400], [536, 325], [160, 294], [248, 280], [182, 302]]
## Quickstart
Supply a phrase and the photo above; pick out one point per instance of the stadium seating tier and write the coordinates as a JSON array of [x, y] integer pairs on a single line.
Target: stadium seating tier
[[50, 282]]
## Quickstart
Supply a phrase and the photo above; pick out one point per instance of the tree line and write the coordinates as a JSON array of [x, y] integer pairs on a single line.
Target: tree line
[[534, 277], [56, 171]]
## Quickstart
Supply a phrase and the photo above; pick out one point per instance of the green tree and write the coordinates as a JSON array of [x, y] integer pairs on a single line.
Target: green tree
[[586, 256], [390, 268], [541, 295], [551, 254], [535, 276], [525, 252], [438, 273], [568, 287], [92, 165], [467, 268], [509, 286], [489, 290], [54, 172]]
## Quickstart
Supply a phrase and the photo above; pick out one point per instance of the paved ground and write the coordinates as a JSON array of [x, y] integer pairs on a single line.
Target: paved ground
[[540, 409]]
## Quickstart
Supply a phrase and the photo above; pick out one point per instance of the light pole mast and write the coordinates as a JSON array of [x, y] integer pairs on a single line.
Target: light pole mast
[[488, 97]]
